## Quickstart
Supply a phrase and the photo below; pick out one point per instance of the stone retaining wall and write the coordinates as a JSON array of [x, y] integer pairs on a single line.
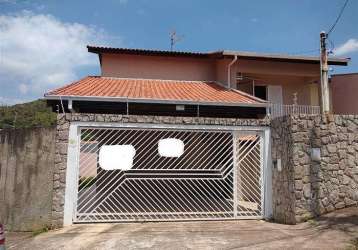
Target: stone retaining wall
[[63, 125], [306, 188], [282, 181]]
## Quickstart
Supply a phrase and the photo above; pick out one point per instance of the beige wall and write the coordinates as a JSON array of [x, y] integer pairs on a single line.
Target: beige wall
[[158, 67], [293, 77], [290, 85], [345, 93]]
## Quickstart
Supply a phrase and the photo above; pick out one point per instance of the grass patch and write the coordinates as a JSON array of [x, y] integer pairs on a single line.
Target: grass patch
[[40, 231], [86, 181], [353, 244], [312, 222], [306, 217]]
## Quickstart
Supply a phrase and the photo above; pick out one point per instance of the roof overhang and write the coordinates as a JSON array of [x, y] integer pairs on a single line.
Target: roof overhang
[[151, 101], [284, 58], [345, 74], [219, 54], [146, 52]]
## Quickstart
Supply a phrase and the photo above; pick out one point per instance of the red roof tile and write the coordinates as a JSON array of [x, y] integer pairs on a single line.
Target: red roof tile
[[153, 90]]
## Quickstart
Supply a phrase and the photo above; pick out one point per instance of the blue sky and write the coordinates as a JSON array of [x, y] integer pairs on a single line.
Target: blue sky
[[43, 42]]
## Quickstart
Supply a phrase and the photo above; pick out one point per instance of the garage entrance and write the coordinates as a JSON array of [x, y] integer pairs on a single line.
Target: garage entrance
[[163, 174]]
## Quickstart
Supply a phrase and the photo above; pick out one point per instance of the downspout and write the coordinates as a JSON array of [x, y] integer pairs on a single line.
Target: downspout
[[229, 71], [70, 106]]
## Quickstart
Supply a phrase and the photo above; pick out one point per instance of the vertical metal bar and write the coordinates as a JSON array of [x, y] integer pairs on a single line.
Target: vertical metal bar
[[262, 177], [78, 143], [235, 163]]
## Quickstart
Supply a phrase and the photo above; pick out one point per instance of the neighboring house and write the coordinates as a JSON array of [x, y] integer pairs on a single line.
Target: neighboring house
[[344, 93], [210, 79]]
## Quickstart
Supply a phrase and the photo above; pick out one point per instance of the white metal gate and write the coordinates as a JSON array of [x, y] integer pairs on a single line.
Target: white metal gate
[[219, 176]]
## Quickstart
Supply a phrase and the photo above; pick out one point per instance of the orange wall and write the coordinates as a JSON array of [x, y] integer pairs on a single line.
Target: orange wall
[[294, 77], [345, 93], [278, 68], [221, 68], [157, 67]]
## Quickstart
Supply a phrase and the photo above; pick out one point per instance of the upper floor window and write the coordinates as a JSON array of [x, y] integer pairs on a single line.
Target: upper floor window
[[260, 91]]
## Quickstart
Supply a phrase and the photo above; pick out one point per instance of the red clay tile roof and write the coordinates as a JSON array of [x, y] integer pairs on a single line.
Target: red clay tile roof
[[149, 90]]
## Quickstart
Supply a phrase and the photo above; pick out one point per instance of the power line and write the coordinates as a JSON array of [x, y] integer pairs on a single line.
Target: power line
[[330, 31], [338, 17], [332, 46]]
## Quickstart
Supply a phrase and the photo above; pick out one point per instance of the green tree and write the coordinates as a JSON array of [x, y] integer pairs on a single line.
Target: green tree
[[31, 114]]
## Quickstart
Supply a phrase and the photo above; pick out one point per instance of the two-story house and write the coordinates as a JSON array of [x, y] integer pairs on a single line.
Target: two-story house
[[167, 135]]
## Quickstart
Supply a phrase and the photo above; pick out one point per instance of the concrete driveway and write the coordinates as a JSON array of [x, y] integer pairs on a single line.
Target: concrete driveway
[[334, 231]]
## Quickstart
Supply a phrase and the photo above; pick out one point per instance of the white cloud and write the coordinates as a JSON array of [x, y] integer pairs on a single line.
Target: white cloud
[[350, 46], [43, 52], [23, 88]]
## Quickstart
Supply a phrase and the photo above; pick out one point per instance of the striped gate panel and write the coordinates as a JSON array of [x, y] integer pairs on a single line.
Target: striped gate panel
[[217, 177], [249, 174]]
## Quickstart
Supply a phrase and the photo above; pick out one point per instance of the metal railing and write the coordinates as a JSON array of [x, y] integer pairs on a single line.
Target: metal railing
[[278, 110]]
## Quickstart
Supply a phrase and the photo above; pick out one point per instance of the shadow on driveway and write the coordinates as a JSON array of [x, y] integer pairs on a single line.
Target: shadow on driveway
[[332, 231]]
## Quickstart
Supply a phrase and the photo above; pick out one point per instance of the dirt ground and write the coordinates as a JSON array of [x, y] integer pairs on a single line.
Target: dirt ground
[[338, 230]]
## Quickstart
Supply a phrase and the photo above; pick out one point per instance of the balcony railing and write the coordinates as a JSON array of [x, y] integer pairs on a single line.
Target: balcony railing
[[278, 110]]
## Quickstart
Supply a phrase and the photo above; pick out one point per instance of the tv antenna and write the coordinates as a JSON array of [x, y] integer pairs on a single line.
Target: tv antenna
[[174, 38]]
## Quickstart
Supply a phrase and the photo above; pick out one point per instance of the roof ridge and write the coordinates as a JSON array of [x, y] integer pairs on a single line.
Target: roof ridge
[[151, 50], [152, 79]]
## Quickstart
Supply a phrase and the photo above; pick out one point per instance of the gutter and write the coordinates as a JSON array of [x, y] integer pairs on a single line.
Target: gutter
[[145, 100], [229, 71], [250, 96], [285, 58]]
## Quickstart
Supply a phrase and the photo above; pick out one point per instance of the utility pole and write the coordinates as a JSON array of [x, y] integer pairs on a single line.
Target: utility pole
[[325, 106]]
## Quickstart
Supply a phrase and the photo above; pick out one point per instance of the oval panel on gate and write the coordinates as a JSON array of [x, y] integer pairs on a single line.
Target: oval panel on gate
[[116, 157], [170, 147]]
